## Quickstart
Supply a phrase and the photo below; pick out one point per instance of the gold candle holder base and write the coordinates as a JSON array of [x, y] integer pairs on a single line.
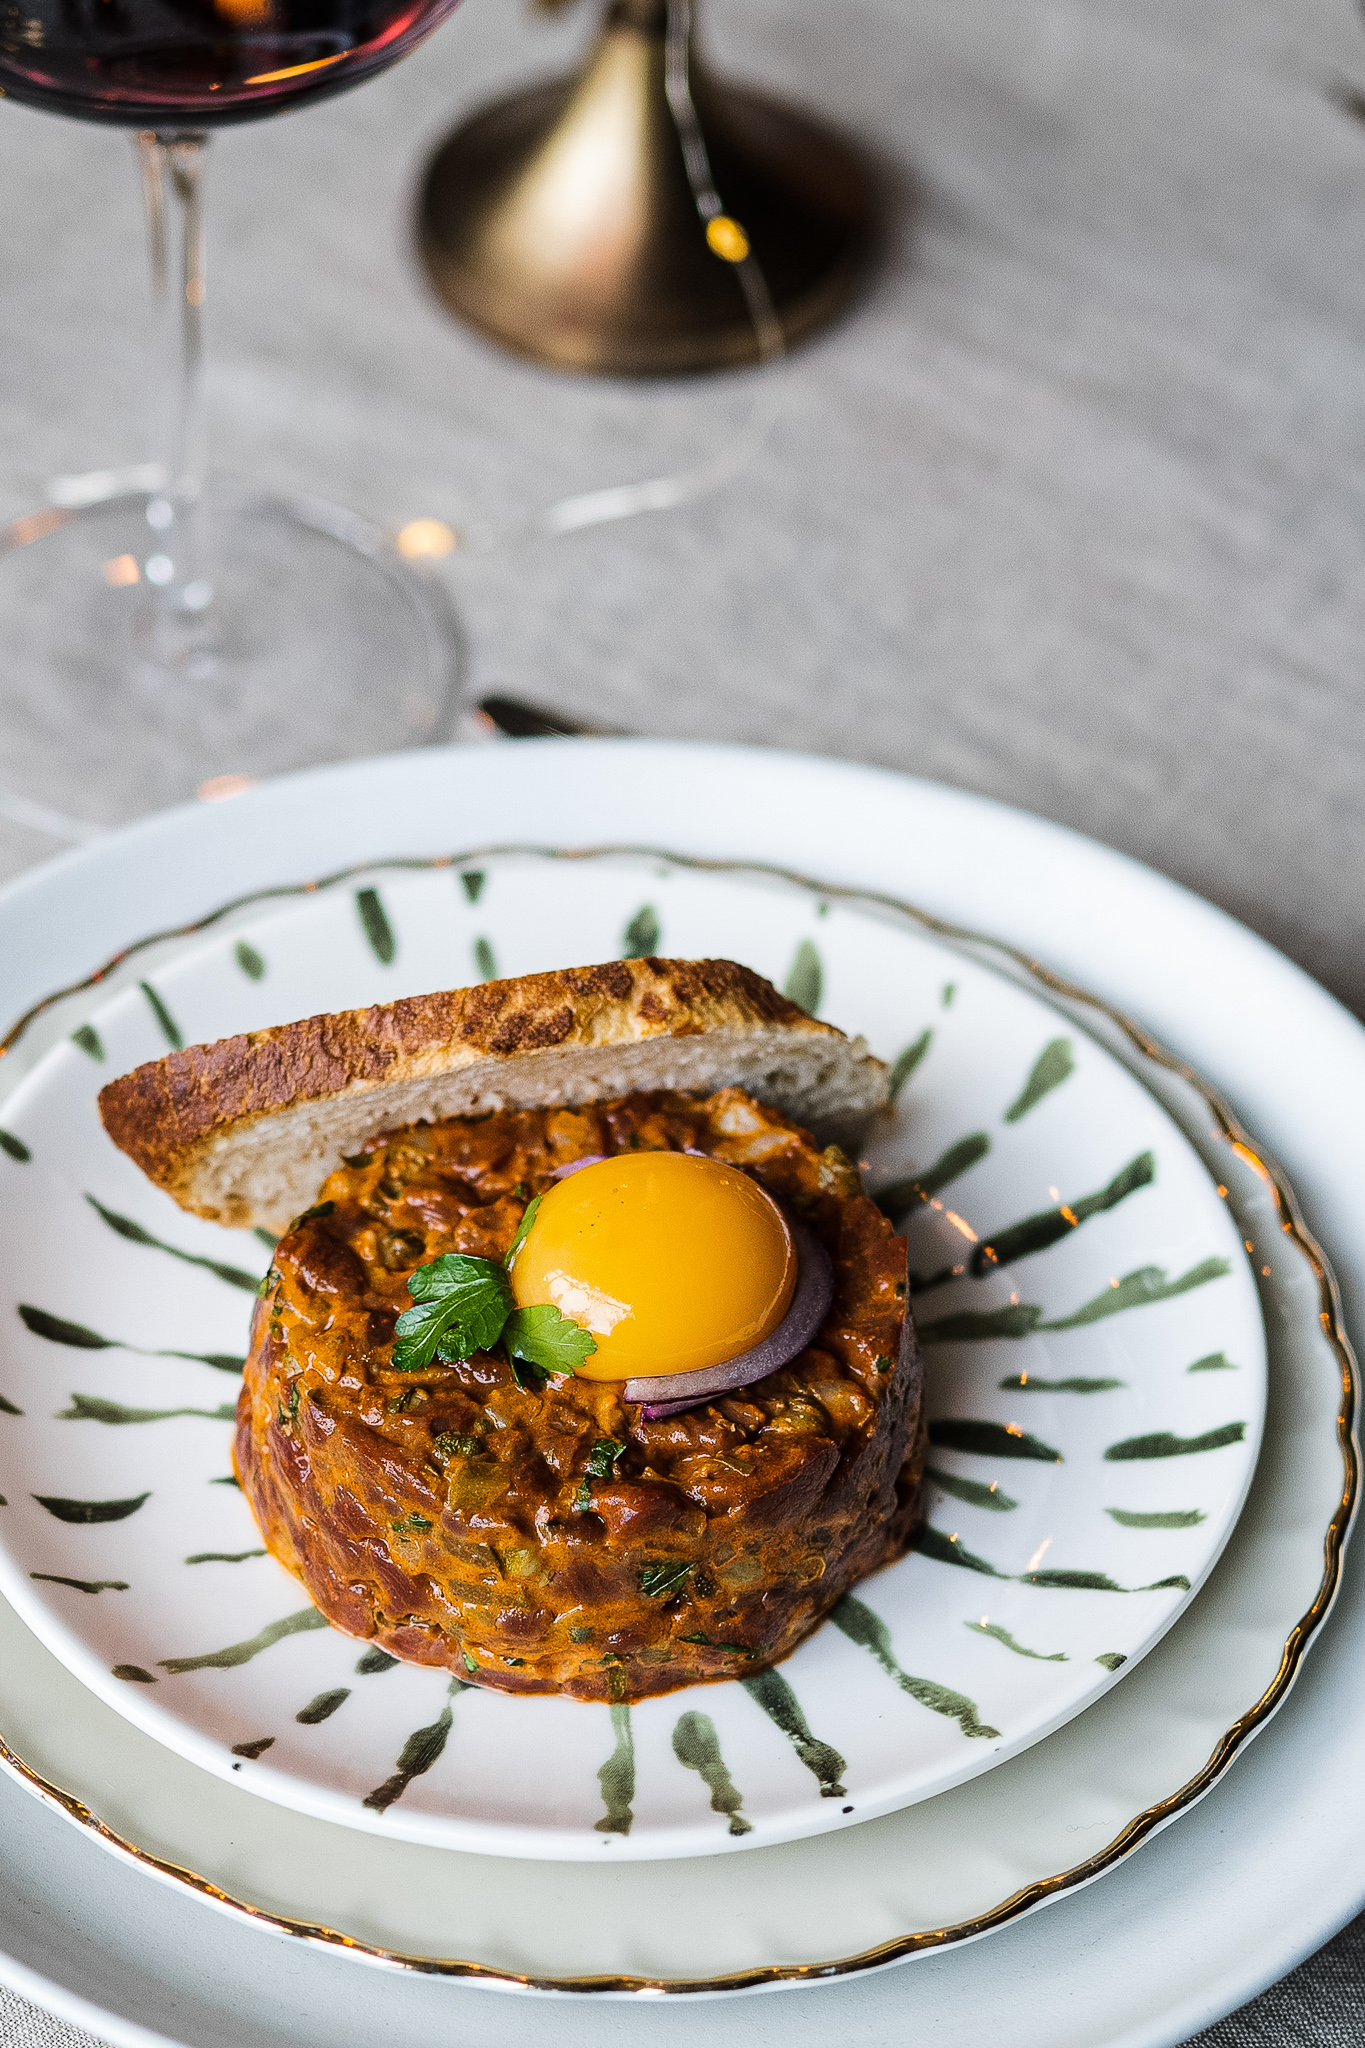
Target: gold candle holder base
[[562, 222]]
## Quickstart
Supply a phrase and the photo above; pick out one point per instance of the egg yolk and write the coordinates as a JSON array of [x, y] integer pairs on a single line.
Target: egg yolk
[[672, 1262]]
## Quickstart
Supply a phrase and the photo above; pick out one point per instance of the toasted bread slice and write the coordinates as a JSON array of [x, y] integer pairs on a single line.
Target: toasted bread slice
[[245, 1131]]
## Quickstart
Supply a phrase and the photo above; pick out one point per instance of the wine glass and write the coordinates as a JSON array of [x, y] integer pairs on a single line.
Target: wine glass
[[177, 637]]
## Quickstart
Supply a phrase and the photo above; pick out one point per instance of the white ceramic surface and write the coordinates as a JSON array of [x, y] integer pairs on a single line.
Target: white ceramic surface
[[1095, 1401], [977, 859]]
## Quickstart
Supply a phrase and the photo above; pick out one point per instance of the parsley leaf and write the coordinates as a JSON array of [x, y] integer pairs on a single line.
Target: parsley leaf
[[523, 1229], [665, 1577], [545, 1339], [460, 1306], [604, 1455]]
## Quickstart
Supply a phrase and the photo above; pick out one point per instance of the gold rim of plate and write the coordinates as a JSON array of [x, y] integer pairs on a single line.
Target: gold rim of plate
[[1143, 1824]]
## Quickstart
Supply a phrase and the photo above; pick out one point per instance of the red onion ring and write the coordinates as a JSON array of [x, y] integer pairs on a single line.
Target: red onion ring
[[563, 1172], [670, 1393]]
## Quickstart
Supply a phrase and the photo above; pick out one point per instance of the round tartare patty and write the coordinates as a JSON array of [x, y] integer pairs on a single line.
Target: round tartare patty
[[455, 1518]]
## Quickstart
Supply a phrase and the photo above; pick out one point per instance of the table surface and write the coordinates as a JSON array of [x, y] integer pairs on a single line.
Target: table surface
[[1069, 510]]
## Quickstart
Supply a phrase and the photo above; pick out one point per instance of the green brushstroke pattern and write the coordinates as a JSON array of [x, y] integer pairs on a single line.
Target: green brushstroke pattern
[[133, 1674], [375, 925], [931, 1542], [79, 1512], [640, 940], [378, 1660], [134, 1233], [1036, 1233], [697, 1748], [82, 1585], [1053, 1065], [57, 1330], [950, 1550], [170, 1030], [323, 1707], [15, 1147], [1023, 1318], [422, 1749], [974, 1326], [772, 1692], [894, 1200], [1029, 1383], [806, 979], [906, 1063], [870, 1632], [8, 1407], [1138, 1290], [1161, 1443], [1111, 1659], [617, 1777], [224, 1556], [89, 1408], [1216, 1361], [485, 960], [1170, 1518], [972, 1491], [990, 1440], [251, 1750], [242, 1653], [1002, 1635], [88, 1039], [249, 960], [473, 881]]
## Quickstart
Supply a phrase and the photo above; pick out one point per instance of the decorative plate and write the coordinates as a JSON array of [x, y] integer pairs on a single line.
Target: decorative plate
[[1097, 1371]]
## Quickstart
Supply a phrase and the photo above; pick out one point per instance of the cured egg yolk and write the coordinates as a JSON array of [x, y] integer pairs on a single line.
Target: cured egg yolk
[[672, 1262]]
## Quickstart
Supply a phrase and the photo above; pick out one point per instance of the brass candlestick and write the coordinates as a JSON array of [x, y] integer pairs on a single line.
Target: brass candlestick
[[567, 223]]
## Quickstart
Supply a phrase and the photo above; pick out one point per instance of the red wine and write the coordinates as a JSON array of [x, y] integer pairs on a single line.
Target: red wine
[[199, 63]]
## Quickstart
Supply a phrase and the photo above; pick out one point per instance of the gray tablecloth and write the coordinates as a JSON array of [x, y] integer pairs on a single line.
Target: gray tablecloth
[[1070, 510]]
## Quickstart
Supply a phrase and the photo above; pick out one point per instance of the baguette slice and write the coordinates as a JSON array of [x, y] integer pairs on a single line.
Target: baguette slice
[[245, 1131]]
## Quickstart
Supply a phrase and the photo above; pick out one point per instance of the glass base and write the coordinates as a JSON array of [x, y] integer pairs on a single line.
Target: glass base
[[302, 636]]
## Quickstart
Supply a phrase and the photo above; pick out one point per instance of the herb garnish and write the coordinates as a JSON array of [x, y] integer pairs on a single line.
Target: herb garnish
[[605, 1454], [463, 1304], [582, 1500], [665, 1577], [448, 1445]]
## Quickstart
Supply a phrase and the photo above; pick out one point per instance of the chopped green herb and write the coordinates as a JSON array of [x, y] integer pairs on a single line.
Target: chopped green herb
[[542, 1337], [604, 1456], [268, 1281], [411, 1525], [523, 1229], [582, 1500], [460, 1306], [581, 1635], [883, 1363], [447, 1445], [665, 1577], [514, 1660], [469, 1663]]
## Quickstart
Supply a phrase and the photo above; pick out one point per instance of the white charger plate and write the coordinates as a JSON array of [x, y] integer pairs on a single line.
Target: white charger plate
[[1095, 1350], [201, 1980]]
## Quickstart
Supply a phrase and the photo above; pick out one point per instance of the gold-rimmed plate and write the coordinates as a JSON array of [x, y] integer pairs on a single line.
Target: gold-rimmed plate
[[1116, 1775]]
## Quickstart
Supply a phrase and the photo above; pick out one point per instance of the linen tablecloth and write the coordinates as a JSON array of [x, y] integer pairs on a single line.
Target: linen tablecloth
[[1070, 509]]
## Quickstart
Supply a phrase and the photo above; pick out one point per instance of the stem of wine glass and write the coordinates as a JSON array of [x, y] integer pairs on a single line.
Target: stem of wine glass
[[179, 592]]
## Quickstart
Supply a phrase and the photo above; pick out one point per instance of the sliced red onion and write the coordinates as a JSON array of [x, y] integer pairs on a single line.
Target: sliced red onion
[[574, 1165], [671, 1392]]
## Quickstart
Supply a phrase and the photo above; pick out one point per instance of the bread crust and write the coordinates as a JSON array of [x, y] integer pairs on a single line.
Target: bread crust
[[199, 1121]]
